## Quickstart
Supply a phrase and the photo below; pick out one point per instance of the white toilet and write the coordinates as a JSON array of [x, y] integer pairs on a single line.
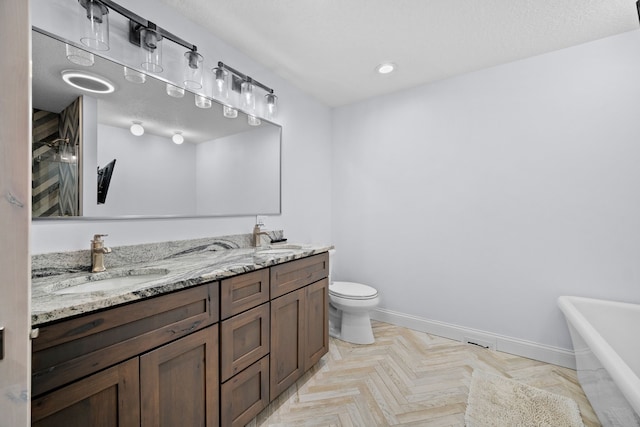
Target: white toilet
[[349, 307]]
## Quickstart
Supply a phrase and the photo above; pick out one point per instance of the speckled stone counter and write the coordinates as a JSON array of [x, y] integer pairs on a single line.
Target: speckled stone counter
[[169, 266]]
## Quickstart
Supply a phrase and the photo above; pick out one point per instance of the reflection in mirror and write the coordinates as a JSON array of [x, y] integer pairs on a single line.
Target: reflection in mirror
[[224, 167]]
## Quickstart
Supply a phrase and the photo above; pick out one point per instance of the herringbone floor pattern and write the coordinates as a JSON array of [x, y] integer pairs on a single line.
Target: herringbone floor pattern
[[406, 378]]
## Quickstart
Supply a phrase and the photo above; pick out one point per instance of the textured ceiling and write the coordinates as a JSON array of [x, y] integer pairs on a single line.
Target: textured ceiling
[[330, 48]]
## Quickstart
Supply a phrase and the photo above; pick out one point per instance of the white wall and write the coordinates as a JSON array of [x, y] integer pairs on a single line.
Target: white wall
[[306, 150], [152, 175], [247, 164], [496, 191]]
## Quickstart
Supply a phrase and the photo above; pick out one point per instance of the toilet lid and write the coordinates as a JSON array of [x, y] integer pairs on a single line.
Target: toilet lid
[[351, 290]]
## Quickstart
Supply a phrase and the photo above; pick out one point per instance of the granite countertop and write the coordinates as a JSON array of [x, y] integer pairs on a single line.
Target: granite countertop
[[172, 272]]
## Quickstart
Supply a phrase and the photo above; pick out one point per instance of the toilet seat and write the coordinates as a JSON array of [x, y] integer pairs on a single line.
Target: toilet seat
[[352, 290]]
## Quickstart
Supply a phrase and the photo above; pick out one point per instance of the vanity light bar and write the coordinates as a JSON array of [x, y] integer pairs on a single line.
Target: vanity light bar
[[243, 77], [136, 22]]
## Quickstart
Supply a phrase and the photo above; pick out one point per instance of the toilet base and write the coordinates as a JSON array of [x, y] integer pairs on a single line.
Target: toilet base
[[350, 327]]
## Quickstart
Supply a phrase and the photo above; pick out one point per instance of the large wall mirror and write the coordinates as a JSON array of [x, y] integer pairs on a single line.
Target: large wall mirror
[[87, 162]]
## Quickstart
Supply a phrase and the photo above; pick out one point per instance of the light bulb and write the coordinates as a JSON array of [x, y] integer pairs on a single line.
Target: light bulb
[[137, 129], [253, 120], [151, 50], [96, 26], [220, 84], [177, 138], [247, 98], [174, 91], [193, 70], [134, 76], [203, 102], [229, 112], [79, 56], [271, 106]]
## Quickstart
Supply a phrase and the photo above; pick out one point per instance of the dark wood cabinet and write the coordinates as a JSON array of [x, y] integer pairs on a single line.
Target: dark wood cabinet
[[179, 382], [299, 319], [214, 354], [149, 363], [108, 398]]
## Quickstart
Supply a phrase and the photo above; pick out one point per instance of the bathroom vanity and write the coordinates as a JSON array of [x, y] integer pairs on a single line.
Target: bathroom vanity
[[211, 342]]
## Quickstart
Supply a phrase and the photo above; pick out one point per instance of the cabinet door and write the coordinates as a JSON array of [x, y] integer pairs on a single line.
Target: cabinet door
[[244, 340], [179, 382], [317, 328], [109, 398], [287, 341]]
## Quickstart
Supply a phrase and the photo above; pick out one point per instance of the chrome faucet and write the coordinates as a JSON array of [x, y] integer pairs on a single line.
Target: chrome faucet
[[257, 232], [98, 249]]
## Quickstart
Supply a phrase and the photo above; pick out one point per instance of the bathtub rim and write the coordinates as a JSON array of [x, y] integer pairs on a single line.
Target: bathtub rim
[[623, 376]]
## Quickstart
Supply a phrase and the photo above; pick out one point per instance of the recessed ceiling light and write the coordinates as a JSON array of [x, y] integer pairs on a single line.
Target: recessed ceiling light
[[87, 81], [386, 68]]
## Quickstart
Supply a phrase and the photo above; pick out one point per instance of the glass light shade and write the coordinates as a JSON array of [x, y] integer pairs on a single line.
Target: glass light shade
[[220, 84], [271, 106], [203, 102], [137, 129], [193, 70], [174, 91], [177, 138], [253, 120], [79, 56], [151, 50], [134, 76], [229, 112], [95, 31], [247, 98]]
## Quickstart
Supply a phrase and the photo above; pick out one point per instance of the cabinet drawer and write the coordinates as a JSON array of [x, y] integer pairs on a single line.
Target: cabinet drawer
[[293, 275], [244, 339], [75, 348], [245, 395], [240, 293]]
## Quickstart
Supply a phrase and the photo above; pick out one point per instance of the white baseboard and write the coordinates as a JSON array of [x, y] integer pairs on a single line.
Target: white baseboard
[[544, 353]]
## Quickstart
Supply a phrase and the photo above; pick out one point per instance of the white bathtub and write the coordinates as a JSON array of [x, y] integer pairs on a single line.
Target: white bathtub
[[606, 341]]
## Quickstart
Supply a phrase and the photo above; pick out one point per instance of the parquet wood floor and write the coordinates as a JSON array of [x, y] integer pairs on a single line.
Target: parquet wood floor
[[406, 378]]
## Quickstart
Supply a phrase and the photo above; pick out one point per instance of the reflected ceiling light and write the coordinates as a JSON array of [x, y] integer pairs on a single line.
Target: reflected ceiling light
[[87, 81], [229, 112], [386, 68], [79, 56], [203, 102], [193, 70], [174, 91], [253, 120], [137, 129], [95, 32], [177, 138], [134, 76]]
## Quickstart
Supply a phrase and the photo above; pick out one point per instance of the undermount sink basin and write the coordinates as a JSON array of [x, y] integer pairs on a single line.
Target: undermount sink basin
[[109, 281]]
